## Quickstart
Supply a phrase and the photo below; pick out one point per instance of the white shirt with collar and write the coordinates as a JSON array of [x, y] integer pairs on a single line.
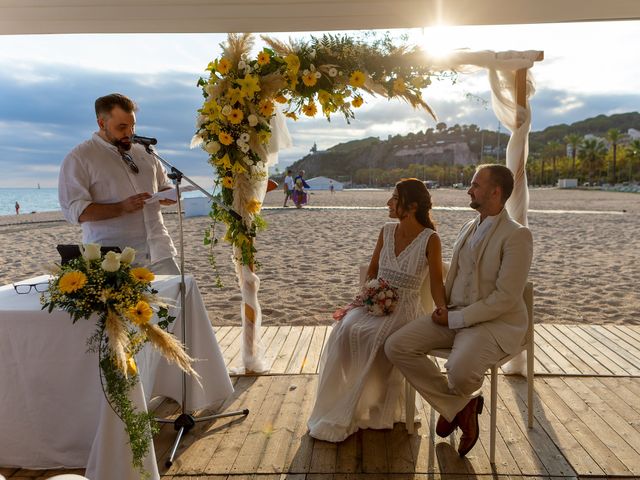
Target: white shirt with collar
[[94, 172], [456, 317]]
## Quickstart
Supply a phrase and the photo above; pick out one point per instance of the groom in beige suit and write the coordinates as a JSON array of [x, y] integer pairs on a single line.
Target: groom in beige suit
[[486, 317]]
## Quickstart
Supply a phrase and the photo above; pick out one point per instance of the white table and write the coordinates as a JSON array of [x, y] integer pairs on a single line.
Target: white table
[[52, 409]]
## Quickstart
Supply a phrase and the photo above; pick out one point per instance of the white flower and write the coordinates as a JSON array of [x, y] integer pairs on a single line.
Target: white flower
[[242, 65], [387, 302], [244, 137], [90, 251], [318, 74], [333, 72], [381, 296], [196, 141], [389, 294], [305, 72], [226, 110], [111, 262], [312, 67], [253, 120], [244, 147], [128, 255], [212, 147]]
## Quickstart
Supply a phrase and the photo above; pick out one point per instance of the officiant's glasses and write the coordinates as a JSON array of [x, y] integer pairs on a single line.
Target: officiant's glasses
[[24, 288], [129, 161]]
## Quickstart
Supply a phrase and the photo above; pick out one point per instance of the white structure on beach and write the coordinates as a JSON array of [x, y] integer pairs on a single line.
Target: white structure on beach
[[324, 183]]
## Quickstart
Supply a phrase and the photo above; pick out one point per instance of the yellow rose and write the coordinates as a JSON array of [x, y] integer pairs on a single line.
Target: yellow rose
[[141, 313], [72, 281], [90, 251]]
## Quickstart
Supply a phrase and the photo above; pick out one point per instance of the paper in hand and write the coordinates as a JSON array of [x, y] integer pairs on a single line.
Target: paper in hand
[[169, 194]]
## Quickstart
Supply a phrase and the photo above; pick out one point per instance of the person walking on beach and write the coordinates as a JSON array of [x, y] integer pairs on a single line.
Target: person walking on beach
[[287, 186], [103, 185], [357, 386], [299, 196], [17, 208], [331, 187], [486, 317]]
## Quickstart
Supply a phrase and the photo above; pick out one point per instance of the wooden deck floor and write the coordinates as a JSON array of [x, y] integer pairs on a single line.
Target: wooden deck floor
[[587, 419]]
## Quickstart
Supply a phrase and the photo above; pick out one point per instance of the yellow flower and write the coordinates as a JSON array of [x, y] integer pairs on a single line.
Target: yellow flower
[[253, 206], [310, 109], [141, 274], [132, 368], [357, 102], [357, 79], [72, 281], [323, 97], [338, 99], [249, 85], [293, 63], [281, 99], [227, 182], [235, 95], [309, 79], [266, 108], [399, 86], [236, 116], [264, 58], [225, 138], [223, 66], [141, 313], [291, 115], [238, 168], [225, 161], [264, 136]]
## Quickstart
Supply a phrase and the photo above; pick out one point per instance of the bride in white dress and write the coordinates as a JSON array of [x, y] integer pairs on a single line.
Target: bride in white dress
[[358, 387]]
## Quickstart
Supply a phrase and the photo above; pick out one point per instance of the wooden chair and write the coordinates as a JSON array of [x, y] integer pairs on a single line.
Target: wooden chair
[[527, 346]]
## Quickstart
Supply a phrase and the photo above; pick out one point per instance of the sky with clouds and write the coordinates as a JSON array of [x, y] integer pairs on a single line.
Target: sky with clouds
[[48, 84]]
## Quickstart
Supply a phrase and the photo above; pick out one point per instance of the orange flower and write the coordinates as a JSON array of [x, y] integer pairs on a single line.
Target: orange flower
[[264, 58], [223, 66], [310, 109], [141, 313], [309, 79], [72, 281], [225, 138], [266, 108], [235, 116], [141, 274], [357, 79], [357, 101], [227, 182], [281, 99]]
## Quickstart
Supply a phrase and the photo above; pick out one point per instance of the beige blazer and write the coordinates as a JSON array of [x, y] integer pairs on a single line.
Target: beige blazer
[[500, 275]]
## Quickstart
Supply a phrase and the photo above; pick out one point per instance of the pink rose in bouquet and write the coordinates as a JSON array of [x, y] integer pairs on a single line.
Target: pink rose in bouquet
[[377, 295]]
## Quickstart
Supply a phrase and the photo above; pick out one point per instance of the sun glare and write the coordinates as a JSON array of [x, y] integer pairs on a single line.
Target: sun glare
[[436, 40]]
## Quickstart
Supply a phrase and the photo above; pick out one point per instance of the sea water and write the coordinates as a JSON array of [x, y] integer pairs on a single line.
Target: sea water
[[34, 200]]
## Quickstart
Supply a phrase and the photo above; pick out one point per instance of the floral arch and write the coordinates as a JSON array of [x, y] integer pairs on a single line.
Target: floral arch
[[241, 128]]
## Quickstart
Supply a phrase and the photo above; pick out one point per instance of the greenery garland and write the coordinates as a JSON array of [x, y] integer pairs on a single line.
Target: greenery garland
[[325, 75]]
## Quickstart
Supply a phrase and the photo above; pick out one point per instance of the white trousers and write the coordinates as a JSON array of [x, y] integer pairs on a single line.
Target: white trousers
[[473, 350]]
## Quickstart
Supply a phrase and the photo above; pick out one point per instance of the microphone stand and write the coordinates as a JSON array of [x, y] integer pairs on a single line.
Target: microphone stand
[[186, 420]]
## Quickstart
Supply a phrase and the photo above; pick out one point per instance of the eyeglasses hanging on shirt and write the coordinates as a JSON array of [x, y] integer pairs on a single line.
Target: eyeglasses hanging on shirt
[[129, 161]]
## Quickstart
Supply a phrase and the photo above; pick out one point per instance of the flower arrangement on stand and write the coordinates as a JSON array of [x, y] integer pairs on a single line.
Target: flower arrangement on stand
[[124, 303]]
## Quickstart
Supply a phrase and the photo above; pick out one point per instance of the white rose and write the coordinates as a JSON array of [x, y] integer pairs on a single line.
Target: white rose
[[244, 137], [90, 251], [333, 72], [226, 110], [253, 120], [128, 255], [381, 296], [111, 262], [212, 147], [389, 294]]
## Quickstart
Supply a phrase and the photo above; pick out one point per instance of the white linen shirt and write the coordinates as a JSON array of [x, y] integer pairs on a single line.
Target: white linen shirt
[[94, 172]]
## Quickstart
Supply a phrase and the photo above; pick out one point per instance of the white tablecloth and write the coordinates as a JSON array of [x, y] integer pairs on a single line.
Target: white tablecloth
[[52, 409]]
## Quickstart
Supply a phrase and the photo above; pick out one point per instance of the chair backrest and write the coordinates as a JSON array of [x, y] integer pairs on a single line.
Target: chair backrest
[[528, 300]]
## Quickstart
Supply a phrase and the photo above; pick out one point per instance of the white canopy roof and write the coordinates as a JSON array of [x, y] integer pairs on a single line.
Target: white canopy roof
[[222, 16]]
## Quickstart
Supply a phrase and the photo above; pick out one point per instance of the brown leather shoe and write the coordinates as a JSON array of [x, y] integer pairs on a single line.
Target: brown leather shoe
[[468, 422], [444, 427]]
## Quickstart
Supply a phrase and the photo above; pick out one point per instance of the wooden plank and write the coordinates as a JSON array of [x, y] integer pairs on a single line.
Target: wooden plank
[[423, 442], [541, 355], [299, 353], [622, 355], [288, 347], [250, 393], [631, 330], [232, 337], [349, 455], [399, 454], [607, 366], [577, 443], [604, 438], [629, 341], [374, 451], [584, 361], [559, 353], [513, 391], [275, 452], [271, 353], [300, 451], [253, 448], [310, 364], [323, 457], [604, 355], [624, 389]]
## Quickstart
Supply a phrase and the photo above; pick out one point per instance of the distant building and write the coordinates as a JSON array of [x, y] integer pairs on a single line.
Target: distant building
[[453, 153], [567, 183], [324, 183], [633, 134]]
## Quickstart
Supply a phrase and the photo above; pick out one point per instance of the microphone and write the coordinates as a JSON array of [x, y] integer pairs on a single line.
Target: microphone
[[146, 141]]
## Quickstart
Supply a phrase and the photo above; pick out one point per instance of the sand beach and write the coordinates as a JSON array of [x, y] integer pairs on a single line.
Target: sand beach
[[585, 267]]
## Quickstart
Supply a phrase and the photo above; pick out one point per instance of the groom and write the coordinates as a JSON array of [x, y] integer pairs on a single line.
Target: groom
[[486, 317]]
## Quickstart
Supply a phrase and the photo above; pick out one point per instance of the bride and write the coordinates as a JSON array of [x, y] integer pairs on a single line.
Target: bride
[[358, 387]]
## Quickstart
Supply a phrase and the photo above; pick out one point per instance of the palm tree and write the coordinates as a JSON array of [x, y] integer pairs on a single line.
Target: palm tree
[[592, 151], [552, 150], [613, 135], [574, 140]]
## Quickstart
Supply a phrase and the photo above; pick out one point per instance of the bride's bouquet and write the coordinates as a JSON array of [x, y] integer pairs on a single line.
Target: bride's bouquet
[[377, 295]]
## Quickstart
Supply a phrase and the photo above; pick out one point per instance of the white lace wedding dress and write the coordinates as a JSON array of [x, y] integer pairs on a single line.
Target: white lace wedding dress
[[358, 387]]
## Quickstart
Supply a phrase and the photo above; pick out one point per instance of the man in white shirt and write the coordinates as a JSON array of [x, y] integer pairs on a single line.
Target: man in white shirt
[[103, 185], [486, 317], [288, 186]]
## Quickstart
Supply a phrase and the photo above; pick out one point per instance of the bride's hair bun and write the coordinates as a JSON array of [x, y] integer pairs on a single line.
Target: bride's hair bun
[[412, 190]]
